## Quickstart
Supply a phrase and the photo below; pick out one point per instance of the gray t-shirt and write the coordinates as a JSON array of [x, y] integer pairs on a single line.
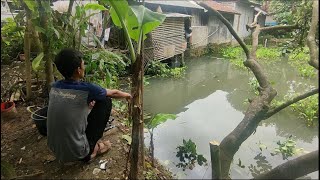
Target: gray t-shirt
[[67, 118]]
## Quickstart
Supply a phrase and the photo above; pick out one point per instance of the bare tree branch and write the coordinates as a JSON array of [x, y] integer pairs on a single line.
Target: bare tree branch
[[251, 62], [293, 169], [279, 27], [311, 40], [288, 103], [255, 21], [229, 26]]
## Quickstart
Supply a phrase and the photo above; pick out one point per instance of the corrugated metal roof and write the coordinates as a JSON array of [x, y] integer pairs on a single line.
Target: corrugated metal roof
[[181, 3], [176, 15], [220, 7]]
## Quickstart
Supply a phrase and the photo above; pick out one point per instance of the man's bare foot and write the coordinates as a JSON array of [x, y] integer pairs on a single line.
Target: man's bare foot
[[100, 148]]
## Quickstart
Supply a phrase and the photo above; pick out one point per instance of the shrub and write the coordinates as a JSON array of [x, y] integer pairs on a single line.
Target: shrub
[[12, 38]]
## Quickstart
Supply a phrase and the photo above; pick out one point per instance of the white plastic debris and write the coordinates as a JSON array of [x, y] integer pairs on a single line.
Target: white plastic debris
[[103, 164], [23, 148], [96, 171]]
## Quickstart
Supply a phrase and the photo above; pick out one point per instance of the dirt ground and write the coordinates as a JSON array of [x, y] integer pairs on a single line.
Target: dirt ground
[[24, 149]]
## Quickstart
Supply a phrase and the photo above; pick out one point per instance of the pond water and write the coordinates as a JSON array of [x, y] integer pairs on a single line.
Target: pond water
[[210, 103]]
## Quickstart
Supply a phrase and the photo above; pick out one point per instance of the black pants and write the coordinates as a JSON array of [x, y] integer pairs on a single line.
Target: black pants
[[97, 121]]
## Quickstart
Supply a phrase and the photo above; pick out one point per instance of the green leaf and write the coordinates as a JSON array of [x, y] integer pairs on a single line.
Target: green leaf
[[78, 11], [40, 29], [123, 8], [127, 138], [57, 33], [94, 6], [108, 77], [36, 62], [136, 18], [147, 21], [31, 4], [161, 118]]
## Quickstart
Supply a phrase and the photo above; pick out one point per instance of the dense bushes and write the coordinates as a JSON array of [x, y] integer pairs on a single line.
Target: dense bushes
[[11, 41]]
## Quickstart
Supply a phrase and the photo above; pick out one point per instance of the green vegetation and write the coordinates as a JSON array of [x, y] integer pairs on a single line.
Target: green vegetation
[[287, 148], [104, 67], [158, 69], [268, 54], [299, 60], [7, 170], [254, 84], [188, 156], [237, 56], [152, 123], [308, 109], [11, 41]]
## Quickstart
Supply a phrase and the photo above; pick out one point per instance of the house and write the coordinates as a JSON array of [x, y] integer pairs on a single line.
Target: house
[[215, 31], [170, 38], [246, 14]]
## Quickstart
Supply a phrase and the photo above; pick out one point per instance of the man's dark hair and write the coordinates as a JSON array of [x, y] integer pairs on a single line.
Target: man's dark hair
[[67, 61]]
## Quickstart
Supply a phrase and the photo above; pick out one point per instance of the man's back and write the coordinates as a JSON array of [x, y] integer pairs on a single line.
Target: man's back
[[67, 121]]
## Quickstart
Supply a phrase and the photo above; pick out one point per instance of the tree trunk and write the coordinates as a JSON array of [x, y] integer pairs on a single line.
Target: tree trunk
[[46, 42], [141, 128], [27, 54], [311, 39], [294, 168], [152, 148], [36, 45], [136, 117]]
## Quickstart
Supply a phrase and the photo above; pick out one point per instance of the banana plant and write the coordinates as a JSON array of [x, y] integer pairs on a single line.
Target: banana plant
[[136, 21], [154, 123]]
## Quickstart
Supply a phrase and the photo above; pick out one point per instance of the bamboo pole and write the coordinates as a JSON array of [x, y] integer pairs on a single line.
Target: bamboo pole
[[215, 159]]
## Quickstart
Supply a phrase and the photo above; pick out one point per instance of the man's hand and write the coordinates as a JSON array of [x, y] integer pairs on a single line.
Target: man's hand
[[91, 104], [114, 93], [127, 96]]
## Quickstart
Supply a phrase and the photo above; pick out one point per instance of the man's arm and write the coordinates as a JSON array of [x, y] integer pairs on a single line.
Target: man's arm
[[115, 93]]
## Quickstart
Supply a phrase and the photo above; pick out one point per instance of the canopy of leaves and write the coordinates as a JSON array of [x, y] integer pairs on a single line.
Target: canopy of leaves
[[136, 18], [293, 12]]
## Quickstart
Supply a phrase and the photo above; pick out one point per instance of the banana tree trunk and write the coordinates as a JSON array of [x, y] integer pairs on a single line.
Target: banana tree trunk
[[141, 129], [136, 117], [46, 42], [27, 47]]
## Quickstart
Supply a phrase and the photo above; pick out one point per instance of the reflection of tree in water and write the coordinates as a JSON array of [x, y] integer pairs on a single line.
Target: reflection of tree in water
[[262, 165], [288, 123]]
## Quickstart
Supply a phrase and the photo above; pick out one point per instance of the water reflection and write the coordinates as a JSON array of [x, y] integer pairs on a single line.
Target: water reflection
[[209, 103], [262, 165]]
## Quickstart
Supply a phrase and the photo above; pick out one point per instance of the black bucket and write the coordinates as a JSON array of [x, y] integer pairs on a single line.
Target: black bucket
[[40, 119]]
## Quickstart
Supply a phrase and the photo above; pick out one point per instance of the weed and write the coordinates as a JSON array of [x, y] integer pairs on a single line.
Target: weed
[[287, 148], [254, 84], [299, 60], [188, 156]]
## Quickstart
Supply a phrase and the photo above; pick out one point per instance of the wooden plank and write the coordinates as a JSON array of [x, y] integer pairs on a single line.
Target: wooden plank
[[215, 159]]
